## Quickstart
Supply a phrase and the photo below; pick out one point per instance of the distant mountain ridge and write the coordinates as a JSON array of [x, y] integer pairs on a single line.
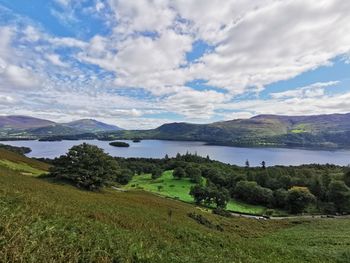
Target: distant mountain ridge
[[16, 126], [22, 122], [90, 125], [314, 131]]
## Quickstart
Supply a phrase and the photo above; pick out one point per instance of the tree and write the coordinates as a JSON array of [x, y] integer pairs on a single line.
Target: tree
[[347, 178], [280, 198], [87, 166], [263, 165], [194, 173], [253, 193], [247, 165], [125, 175], [156, 172], [199, 193], [179, 173], [220, 197], [339, 194], [317, 188], [210, 195], [299, 198]]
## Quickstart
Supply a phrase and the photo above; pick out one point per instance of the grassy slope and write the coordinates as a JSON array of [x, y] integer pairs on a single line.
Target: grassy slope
[[21, 163], [43, 221], [180, 189]]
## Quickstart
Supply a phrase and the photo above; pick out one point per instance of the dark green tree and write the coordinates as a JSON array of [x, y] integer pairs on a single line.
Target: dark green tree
[[339, 194], [347, 178], [194, 173], [156, 172], [179, 173], [199, 193], [299, 198], [86, 166]]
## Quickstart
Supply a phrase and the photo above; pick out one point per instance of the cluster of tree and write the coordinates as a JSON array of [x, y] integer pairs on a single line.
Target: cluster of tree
[[209, 195], [325, 188]]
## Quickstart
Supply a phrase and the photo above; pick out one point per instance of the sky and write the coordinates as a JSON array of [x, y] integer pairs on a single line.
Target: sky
[[141, 63]]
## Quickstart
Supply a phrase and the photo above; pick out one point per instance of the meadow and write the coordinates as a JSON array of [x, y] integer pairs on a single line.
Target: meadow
[[43, 220], [179, 189]]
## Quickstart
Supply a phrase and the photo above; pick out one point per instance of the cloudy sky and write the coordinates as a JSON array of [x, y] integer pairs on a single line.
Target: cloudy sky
[[141, 63]]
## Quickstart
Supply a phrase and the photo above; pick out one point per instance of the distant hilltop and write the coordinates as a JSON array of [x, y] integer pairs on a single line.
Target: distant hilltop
[[22, 126]]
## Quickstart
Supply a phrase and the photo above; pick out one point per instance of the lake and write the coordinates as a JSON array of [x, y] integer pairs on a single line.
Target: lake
[[159, 148]]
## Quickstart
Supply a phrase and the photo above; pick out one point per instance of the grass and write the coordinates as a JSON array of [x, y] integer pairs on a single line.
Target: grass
[[42, 221], [179, 189], [21, 159], [24, 168], [46, 221]]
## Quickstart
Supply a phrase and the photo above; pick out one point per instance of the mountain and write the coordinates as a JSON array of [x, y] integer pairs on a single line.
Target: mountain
[[90, 125], [317, 131], [22, 122], [16, 127]]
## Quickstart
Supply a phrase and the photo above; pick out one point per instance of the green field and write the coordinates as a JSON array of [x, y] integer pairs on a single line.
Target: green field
[[179, 189]]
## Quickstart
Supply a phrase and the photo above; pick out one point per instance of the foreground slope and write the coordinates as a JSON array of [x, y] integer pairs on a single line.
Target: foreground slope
[[46, 221]]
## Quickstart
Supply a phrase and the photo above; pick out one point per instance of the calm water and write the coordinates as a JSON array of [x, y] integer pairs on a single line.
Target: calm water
[[158, 149]]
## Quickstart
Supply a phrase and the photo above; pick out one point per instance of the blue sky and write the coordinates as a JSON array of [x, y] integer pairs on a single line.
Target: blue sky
[[139, 64]]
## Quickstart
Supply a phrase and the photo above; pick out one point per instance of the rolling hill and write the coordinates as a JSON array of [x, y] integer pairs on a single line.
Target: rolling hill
[[15, 127], [22, 122], [90, 125], [318, 131]]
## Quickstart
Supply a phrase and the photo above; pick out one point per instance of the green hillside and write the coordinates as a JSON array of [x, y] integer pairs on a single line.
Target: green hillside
[[46, 221], [319, 131]]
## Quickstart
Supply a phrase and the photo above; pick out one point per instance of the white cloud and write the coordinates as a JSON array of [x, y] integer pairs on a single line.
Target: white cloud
[[55, 59], [313, 90], [17, 77], [194, 104], [142, 15], [64, 3]]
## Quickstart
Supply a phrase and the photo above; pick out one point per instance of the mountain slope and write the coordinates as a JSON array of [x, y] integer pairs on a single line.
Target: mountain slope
[[325, 131], [14, 127], [90, 125], [22, 122]]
